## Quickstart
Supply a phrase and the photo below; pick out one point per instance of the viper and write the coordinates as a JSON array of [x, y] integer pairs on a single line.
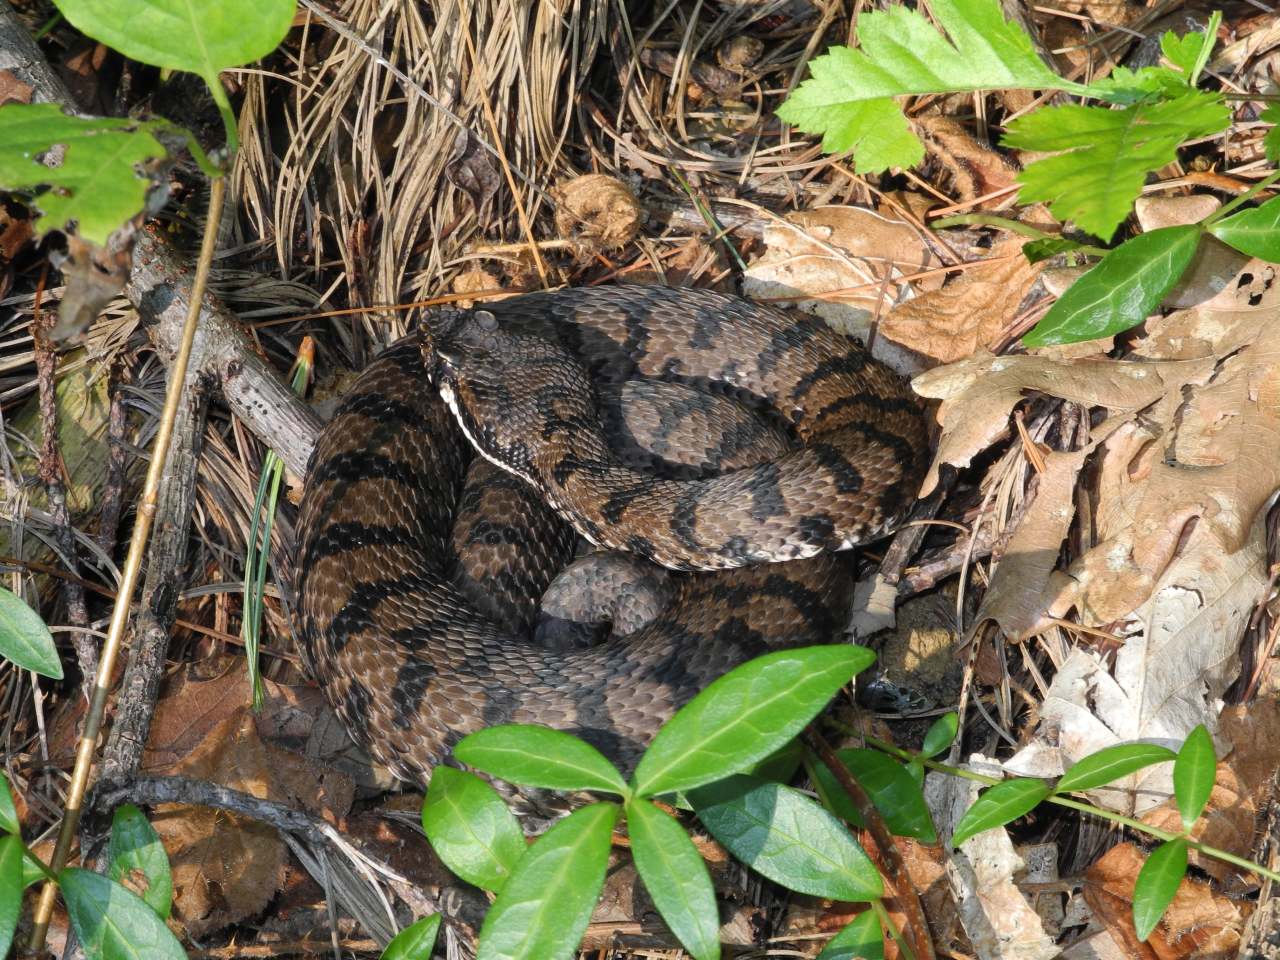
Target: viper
[[696, 432]]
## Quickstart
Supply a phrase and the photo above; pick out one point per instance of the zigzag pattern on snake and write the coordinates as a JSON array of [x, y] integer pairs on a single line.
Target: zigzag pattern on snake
[[420, 564]]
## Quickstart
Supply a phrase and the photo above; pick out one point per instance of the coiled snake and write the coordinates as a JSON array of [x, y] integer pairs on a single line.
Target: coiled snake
[[418, 628]]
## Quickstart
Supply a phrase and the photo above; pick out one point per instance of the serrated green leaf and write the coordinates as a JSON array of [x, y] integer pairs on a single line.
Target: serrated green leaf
[[1110, 764], [544, 907], [1255, 231], [782, 834], [8, 813], [471, 828], [112, 922], [745, 715], [942, 733], [416, 941], [891, 788], [861, 939], [136, 853], [1157, 884], [1190, 52], [899, 52], [1271, 139], [1194, 772], [10, 889], [998, 805], [676, 878], [199, 36], [1102, 156], [24, 638], [1121, 290], [1125, 86], [539, 757]]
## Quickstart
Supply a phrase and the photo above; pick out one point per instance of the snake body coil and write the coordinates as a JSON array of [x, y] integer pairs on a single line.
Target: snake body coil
[[420, 564]]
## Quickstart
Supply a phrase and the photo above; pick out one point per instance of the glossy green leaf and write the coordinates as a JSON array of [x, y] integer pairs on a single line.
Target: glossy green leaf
[[416, 941], [861, 939], [1156, 885], [11, 888], [31, 872], [942, 733], [471, 829], [1194, 772], [544, 907], [137, 854], [781, 765], [782, 834], [1271, 139], [114, 923], [1110, 764], [1255, 231], [676, 878], [999, 805], [24, 639], [8, 814], [848, 97], [540, 757], [893, 791], [1102, 156], [915, 769], [199, 36], [745, 715], [1121, 291]]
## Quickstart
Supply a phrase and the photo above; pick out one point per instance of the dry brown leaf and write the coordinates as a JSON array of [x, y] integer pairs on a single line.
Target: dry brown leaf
[[1199, 923], [844, 264], [978, 394], [975, 170], [971, 312]]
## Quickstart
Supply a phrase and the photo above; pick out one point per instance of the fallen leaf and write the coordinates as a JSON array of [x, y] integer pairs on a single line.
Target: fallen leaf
[[970, 312], [1198, 923], [844, 264], [975, 170]]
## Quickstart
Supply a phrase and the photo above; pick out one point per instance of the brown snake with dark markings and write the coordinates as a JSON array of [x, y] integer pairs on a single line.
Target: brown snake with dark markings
[[417, 629]]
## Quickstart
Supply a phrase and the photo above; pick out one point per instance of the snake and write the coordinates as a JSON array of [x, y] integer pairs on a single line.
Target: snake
[[473, 458]]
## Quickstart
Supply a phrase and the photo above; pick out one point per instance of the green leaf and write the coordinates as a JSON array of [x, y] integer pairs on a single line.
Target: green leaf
[[861, 939], [745, 715], [11, 888], [1037, 250], [471, 828], [199, 36], [847, 97], [1271, 139], [97, 185], [780, 765], [941, 734], [891, 788], [1156, 885], [31, 872], [676, 878], [1190, 52], [1255, 231], [416, 941], [1194, 772], [1125, 86], [24, 639], [915, 769], [540, 757], [782, 834], [114, 923], [1121, 290], [1103, 156], [544, 907], [137, 853], [999, 805], [8, 814], [1110, 764]]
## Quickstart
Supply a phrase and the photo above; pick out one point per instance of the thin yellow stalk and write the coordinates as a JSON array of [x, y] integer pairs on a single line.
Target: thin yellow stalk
[[86, 748]]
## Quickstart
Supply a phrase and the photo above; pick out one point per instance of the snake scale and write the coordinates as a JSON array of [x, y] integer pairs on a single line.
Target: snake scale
[[420, 564]]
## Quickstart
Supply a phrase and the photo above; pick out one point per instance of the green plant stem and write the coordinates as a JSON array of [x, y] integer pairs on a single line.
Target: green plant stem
[[1013, 226], [886, 923], [1082, 807], [228, 115], [88, 743], [1245, 197], [48, 874]]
